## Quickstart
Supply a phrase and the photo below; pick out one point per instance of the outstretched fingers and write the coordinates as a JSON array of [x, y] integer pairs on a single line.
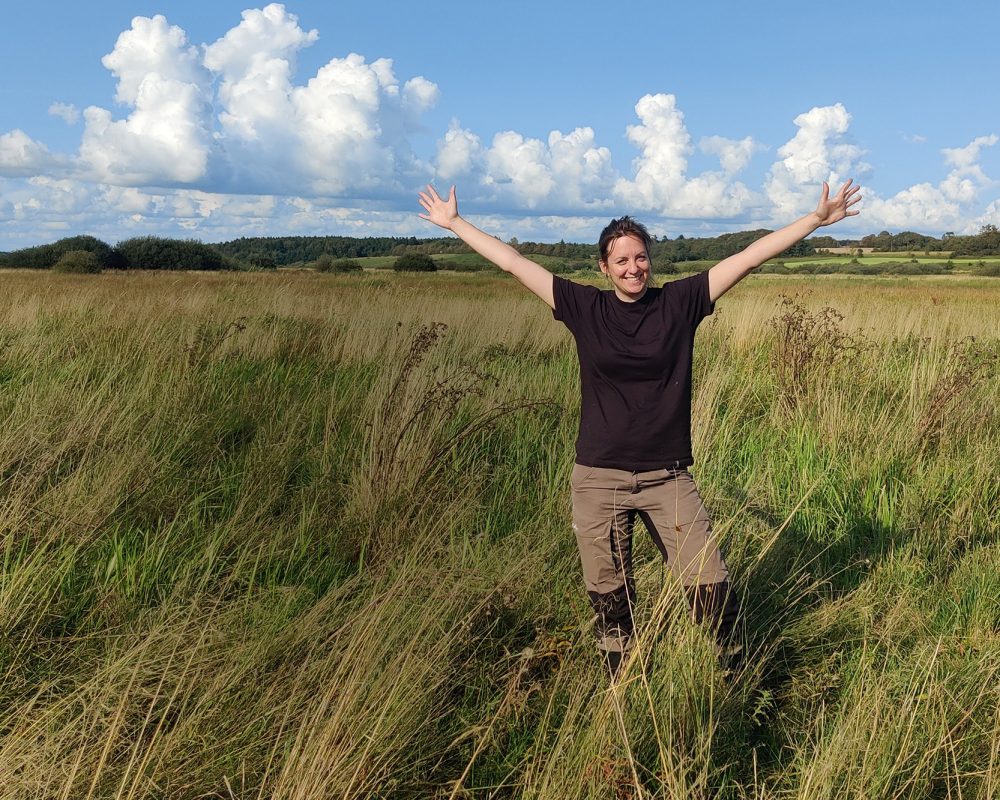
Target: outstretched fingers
[[851, 197], [428, 199], [439, 210]]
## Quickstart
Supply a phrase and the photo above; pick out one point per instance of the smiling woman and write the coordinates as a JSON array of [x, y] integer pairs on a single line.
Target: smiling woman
[[635, 345], [624, 247]]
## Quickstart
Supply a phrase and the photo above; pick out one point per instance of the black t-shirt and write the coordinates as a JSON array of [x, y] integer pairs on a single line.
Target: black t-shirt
[[635, 371]]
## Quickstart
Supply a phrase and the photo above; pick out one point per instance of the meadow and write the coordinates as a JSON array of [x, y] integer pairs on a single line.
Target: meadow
[[472, 262], [299, 535]]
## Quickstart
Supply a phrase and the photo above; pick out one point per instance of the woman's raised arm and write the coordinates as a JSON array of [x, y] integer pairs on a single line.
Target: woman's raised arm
[[444, 213], [730, 271]]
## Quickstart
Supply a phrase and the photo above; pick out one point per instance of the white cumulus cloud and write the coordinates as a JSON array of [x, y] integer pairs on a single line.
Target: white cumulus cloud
[[344, 132], [661, 184], [228, 117], [22, 156], [459, 154], [225, 138], [947, 205], [964, 159], [733, 154], [67, 112], [818, 152], [568, 171], [167, 137]]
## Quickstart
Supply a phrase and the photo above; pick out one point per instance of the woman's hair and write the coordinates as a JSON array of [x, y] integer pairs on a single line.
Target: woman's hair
[[623, 226]]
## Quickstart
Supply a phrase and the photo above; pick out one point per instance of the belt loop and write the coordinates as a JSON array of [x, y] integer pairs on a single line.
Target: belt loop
[[635, 483]]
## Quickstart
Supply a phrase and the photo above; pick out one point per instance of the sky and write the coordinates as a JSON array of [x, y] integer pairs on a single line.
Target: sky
[[220, 120]]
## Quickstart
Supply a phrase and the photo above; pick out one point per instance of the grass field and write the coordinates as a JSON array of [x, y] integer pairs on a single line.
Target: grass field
[[470, 262], [296, 535]]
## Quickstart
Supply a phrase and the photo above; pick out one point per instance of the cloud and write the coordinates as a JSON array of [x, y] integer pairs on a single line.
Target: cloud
[[343, 133], [733, 154], [264, 36], [922, 206], [459, 154], [949, 204], [568, 171], [223, 138], [67, 112], [990, 216], [228, 118], [818, 152], [167, 137], [22, 156], [661, 185], [964, 159]]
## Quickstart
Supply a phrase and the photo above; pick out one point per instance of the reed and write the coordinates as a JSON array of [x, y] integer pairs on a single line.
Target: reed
[[304, 535]]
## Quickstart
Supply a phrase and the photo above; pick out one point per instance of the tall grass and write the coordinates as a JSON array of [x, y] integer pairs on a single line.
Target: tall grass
[[306, 536]]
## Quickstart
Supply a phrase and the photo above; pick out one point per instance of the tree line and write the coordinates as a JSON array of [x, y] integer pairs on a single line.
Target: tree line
[[143, 252], [154, 252], [984, 243]]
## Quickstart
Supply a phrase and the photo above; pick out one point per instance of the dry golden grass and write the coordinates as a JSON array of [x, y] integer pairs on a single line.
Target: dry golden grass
[[261, 539]]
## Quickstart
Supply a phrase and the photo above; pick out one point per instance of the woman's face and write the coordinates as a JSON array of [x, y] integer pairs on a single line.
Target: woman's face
[[628, 268]]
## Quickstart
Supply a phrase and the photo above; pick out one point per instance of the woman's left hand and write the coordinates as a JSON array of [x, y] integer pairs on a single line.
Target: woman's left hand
[[833, 209]]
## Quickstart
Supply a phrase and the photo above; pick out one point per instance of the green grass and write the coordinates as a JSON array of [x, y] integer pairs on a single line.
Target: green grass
[[281, 535], [471, 262]]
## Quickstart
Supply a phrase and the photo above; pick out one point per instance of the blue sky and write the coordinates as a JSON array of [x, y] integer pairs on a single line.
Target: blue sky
[[216, 120]]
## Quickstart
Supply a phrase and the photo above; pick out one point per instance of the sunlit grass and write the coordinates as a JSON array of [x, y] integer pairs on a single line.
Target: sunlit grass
[[279, 535]]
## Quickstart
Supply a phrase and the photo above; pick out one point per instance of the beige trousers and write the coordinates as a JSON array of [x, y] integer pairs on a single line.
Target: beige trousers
[[605, 504]]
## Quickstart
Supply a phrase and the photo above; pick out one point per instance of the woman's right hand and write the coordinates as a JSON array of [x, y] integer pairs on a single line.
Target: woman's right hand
[[439, 211]]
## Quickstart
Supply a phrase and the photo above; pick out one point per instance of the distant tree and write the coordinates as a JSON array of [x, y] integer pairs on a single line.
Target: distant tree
[[802, 248], [153, 252], [327, 264], [824, 242], [80, 261], [414, 262], [45, 256], [261, 261]]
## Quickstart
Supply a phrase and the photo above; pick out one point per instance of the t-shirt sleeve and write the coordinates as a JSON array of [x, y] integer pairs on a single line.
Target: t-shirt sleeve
[[693, 297], [570, 301]]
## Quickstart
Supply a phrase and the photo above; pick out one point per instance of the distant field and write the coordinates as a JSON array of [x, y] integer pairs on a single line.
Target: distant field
[[300, 535], [472, 261]]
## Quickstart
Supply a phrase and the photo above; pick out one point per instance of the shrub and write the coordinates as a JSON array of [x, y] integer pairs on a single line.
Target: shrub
[[45, 256], [909, 268], [261, 261], [80, 261], [153, 252], [414, 262], [807, 345], [859, 269], [324, 263]]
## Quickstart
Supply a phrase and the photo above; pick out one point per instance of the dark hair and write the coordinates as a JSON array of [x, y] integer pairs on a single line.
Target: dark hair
[[623, 226]]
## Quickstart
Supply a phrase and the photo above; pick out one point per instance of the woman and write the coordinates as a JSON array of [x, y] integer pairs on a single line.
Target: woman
[[635, 344]]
